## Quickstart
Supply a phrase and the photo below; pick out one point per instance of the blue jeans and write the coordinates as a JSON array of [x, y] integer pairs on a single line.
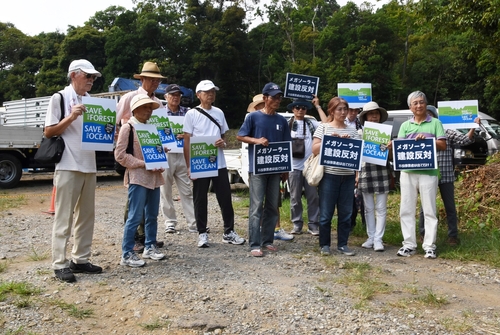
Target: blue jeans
[[142, 202], [335, 191], [264, 197]]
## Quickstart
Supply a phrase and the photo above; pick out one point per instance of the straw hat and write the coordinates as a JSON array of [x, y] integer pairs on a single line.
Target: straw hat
[[151, 70], [370, 106], [142, 99], [258, 99]]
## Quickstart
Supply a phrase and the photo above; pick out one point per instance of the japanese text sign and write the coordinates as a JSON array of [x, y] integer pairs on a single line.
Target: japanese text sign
[[414, 155], [342, 153], [300, 86], [275, 158]]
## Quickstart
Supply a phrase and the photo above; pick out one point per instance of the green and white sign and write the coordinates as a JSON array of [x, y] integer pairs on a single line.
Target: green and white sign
[[357, 95], [151, 146], [458, 114], [98, 124], [203, 157], [376, 136]]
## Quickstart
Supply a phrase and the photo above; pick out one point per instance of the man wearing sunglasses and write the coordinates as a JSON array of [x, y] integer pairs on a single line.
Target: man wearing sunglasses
[[74, 176], [302, 129], [150, 78]]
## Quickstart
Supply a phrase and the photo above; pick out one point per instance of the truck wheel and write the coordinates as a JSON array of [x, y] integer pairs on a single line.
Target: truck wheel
[[10, 171]]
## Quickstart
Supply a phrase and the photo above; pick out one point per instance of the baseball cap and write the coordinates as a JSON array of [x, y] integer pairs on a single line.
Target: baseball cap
[[205, 85], [271, 89], [173, 88], [142, 99], [84, 65]]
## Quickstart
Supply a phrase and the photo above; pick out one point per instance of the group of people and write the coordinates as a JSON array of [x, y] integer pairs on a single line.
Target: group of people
[[150, 191]]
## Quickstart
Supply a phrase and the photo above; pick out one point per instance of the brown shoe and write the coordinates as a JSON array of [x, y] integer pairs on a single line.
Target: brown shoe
[[453, 241], [138, 247]]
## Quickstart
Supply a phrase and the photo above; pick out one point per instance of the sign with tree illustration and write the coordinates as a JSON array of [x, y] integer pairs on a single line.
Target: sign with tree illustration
[[151, 146], [376, 136], [357, 95], [98, 124], [458, 114], [160, 120], [176, 124], [203, 157]]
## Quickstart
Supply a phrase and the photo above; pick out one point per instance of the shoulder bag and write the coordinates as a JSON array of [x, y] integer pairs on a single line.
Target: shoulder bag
[[298, 144], [52, 149], [313, 171], [130, 150]]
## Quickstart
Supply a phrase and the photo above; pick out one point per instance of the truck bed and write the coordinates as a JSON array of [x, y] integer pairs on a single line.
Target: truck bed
[[20, 137]]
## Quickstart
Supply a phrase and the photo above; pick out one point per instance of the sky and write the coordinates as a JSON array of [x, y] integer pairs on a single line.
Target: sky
[[35, 16]]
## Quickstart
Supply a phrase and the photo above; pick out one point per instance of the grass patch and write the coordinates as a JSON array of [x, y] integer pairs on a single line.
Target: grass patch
[[3, 266], [73, 310], [8, 202], [36, 256], [18, 288], [430, 298], [156, 324]]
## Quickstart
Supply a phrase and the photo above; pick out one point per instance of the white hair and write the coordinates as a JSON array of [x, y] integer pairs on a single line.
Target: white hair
[[415, 95]]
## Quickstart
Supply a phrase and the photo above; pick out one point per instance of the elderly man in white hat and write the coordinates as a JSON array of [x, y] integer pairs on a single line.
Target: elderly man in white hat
[[208, 120], [151, 78], [74, 176]]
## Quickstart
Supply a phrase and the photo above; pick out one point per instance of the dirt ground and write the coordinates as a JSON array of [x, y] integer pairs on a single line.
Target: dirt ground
[[198, 291]]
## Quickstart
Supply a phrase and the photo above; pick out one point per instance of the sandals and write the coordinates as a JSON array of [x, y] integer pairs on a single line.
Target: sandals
[[256, 253], [271, 248]]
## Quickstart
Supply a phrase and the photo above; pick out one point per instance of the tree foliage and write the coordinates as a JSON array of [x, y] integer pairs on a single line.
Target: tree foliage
[[446, 48]]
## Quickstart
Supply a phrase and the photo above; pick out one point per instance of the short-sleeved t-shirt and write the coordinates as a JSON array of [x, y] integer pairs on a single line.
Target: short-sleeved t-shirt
[[198, 124], [271, 126], [430, 127]]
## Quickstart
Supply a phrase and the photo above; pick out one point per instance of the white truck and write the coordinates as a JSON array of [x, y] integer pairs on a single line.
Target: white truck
[[21, 131]]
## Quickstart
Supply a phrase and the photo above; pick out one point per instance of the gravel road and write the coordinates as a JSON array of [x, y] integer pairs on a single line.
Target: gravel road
[[223, 290]]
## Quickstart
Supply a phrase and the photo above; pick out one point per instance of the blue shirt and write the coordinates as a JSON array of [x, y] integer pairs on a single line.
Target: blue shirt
[[257, 124]]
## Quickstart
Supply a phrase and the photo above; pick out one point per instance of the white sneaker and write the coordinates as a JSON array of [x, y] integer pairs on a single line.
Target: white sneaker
[[152, 253], [203, 240], [378, 246], [282, 235], [132, 260], [232, 238], [368, 244], [429, 253], [170, 229]]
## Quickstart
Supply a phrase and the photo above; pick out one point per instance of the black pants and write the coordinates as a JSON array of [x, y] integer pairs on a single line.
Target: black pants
[[222, 190]]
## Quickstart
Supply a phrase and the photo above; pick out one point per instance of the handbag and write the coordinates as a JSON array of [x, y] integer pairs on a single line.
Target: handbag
[[298, 144], [313, 171], [52, 149]]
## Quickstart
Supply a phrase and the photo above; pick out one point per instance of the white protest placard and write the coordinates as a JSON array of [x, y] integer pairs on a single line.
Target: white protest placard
[[176, 124], [159, 119], [99, 122], [151, 146], [458, 114], [203, 157], [356, 94], [376, 136]]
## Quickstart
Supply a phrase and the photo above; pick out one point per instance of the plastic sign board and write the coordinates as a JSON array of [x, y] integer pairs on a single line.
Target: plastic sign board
[[376, 136], [176, 124], [164, 126], [98, 124], [151, 146], [275, 158], [356, 95], [414, 154], [203, 157], [301, 86], [341, 153], [458, 114]]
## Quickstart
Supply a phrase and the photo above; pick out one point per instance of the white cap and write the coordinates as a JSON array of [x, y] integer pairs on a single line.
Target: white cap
[[206, 85], [84, 65], [142, 99]]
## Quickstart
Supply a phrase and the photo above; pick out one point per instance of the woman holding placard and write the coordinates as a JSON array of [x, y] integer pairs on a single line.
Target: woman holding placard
[[374, 182], [336, 188]]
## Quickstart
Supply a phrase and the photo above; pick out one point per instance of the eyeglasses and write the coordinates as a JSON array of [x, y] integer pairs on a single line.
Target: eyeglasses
[[88, 76], [300, 107], [420, 102], [276, 97]]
